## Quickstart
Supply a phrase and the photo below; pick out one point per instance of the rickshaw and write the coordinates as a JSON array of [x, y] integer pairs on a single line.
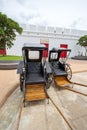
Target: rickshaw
[[34, 74], [61, 70]]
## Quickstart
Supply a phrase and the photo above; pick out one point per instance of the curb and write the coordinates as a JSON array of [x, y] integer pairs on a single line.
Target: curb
[[8, 65], [79, 58]]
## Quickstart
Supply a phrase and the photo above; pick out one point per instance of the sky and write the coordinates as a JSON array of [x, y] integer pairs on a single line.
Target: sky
[[56, 13]]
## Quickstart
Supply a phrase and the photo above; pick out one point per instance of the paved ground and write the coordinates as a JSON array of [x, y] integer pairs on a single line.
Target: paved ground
[[78, 65], [42, 116], [45, 116], [10, 111], [9, 81], [73, 106]]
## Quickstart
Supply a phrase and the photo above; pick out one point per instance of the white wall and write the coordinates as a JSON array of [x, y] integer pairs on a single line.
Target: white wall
[[18, 44], [33, 34]]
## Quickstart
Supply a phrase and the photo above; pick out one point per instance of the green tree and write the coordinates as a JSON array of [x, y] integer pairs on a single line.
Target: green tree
[[83, 42], [8, 30]]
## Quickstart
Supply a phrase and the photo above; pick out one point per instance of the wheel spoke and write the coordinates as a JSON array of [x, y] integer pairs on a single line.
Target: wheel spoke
[[69, 72]]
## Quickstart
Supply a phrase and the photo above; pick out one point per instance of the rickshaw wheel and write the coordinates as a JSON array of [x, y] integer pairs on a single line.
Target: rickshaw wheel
[[69, 71], [21, 83], [48, 81]]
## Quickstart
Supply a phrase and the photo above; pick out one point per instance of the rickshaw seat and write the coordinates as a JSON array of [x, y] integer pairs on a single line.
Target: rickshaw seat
[[34, 73], [58, 69], [34, 78], [34, 67]]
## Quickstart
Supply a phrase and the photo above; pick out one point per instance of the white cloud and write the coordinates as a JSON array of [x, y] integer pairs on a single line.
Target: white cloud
[[61, 13]]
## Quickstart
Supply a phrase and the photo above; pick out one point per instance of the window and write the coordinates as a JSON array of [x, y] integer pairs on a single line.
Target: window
[[33, 55], [54, 55]]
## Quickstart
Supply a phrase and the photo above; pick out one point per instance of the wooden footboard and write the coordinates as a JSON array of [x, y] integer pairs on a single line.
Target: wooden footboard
[[35, 92], [61, 81]]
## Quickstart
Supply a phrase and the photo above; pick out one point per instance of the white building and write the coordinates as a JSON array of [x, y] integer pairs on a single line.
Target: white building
[[54, 36]]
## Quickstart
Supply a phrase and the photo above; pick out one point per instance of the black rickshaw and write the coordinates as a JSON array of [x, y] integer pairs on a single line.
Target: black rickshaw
[[34, 74], [61, 70]]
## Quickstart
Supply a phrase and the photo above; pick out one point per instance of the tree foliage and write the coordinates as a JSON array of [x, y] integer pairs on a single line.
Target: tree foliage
[[8, 30], [83, 42]]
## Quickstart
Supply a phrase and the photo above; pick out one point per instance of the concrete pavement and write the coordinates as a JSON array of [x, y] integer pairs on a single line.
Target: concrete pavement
[[42, 116], [10, 111], [73, 107], [78, 65]]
